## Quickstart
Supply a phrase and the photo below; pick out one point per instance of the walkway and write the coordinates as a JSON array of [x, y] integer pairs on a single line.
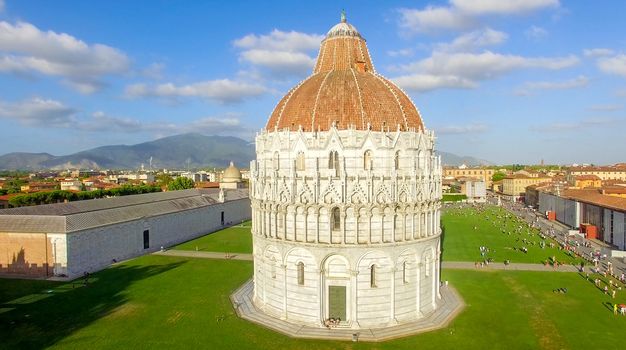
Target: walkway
[[206, 255], [453, 265], [619, 264]]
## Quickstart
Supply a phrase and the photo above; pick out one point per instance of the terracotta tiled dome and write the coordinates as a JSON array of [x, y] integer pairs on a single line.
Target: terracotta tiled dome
[[345, 89]]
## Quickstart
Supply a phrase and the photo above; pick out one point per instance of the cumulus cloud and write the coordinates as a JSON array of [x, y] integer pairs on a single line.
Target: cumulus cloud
[[24, 49], [462, 129], [578, 82], [499, 7], [467, 70], [48, 113], [38, 112], [280, 62], [605, 108], [474, 40], [400, 53], [99, 121], [427, 82], [584, 124], [463, 14], [613, 65], [434, 18], [222, 91], [281, 53], [535, 32], [598, 52]]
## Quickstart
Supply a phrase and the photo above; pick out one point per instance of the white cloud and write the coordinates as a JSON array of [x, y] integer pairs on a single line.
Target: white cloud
[[102, 122], [433, 18], [47, 113], [584, 124], [474, 40], [222, 91], [38, 112], [400, 53], [500, 7], [463, 14], [606, 108], [24, 49], [428, 82], [613, 65], [280, 62], [578, 82], [466, 70], [598, 52], [154, 71], [462, 129], [280, 41], [281, 53], [535, 32]]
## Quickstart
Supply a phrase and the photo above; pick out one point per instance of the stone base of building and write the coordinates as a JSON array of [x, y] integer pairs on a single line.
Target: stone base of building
[[448, 307]]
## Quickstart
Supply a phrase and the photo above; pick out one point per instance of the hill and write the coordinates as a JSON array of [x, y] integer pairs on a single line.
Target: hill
[[174, 152]]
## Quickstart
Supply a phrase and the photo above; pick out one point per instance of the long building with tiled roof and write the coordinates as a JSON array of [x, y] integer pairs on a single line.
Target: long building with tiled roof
[[68, 239]]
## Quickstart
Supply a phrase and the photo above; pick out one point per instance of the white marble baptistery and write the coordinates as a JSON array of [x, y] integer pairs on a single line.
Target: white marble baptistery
[[345, 193]]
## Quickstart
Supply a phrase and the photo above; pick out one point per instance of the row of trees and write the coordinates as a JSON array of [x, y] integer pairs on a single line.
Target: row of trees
[[63, 196]]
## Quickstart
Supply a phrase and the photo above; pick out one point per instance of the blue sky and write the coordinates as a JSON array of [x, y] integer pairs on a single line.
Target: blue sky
[[508, 81]]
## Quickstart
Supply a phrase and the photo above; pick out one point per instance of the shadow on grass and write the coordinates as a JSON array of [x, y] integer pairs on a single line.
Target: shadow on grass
[[39, 320]]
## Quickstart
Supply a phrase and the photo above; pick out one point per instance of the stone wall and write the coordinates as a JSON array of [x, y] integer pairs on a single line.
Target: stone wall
[[25, 254], [94, 249]]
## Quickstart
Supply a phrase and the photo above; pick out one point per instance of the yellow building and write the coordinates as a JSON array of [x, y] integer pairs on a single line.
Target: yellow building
[[514, 186], [483, 174], [617, 172], [583, 181]]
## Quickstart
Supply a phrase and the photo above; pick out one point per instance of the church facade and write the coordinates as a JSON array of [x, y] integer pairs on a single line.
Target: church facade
[[345, 193]]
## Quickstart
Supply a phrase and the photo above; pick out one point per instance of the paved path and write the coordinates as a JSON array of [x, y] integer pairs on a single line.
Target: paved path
[[619, 264], [465, 265], [206, 255], [456, 265]]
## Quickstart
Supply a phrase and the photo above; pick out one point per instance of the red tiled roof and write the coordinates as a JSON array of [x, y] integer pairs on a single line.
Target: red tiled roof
[[596, 198], [345, 89]]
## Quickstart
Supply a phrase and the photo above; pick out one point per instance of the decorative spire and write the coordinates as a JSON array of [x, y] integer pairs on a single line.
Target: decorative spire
[[343, 16]]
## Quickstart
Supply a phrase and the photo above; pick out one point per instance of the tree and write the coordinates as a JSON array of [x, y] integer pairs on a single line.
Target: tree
[[163, 180], [497, 176], [180, 183]]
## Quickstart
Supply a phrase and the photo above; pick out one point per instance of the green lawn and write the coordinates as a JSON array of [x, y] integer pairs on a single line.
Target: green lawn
[[467, 229], [175, 303], [167, 302], [234, 239]]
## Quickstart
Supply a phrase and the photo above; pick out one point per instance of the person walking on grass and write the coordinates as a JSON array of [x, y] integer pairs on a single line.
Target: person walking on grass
[[614, 309]]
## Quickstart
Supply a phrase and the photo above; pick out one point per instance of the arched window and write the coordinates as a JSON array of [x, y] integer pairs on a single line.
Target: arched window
[[367, 160], [336, 219], [373, 276], [300, 161], [276, 161], [301, 273], [273, 267], [396, 160], [333, 160], [404, 279], [427, 267]]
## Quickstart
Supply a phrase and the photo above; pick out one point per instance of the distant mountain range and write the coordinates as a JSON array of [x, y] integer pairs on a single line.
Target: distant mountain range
[[173, 152]]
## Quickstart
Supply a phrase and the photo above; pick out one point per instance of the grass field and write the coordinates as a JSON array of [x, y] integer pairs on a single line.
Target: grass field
[[235, 239], [177, 303], [174, 303], [467, 229]]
